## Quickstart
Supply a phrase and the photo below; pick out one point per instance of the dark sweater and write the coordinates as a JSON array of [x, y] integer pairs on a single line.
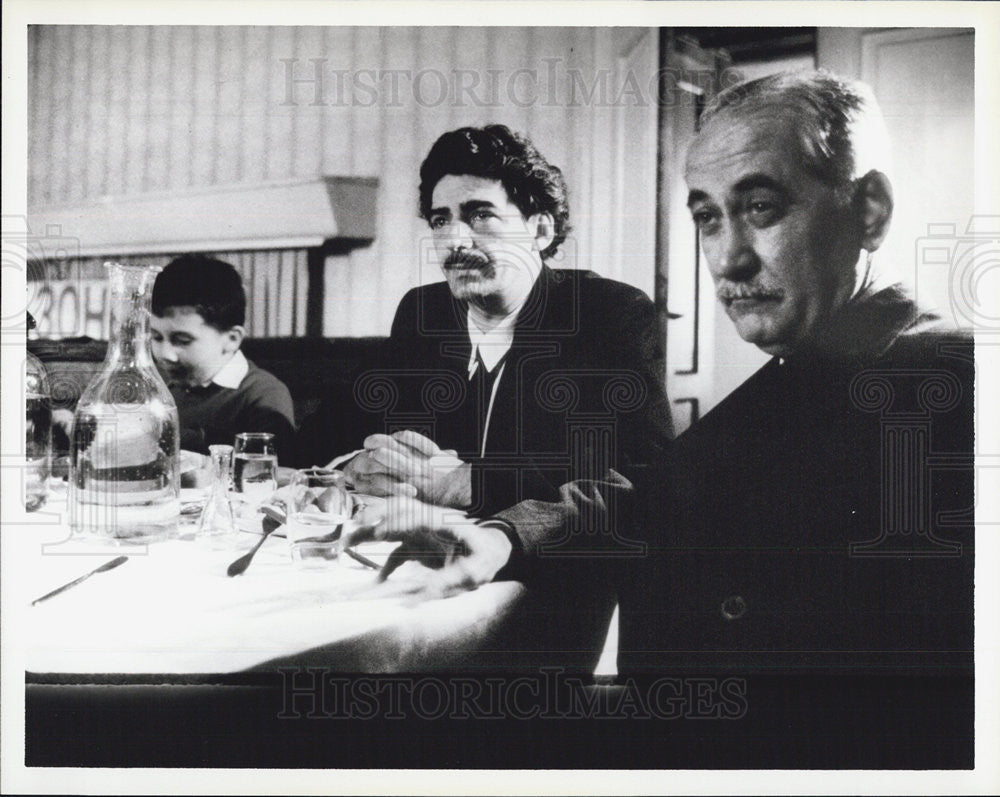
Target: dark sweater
[[216, 414]]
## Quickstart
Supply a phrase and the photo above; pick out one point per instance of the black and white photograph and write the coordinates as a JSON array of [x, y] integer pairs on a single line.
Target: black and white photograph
[[538, 397]]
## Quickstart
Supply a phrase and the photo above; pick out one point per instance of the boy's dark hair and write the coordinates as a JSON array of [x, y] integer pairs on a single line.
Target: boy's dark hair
[[212, 287], [533, 184]]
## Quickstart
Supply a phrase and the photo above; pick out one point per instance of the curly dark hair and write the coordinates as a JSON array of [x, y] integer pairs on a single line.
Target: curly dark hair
[[533, 184], [212, 287]]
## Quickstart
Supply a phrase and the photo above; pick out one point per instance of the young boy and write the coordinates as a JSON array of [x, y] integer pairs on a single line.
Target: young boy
[[199, 308]]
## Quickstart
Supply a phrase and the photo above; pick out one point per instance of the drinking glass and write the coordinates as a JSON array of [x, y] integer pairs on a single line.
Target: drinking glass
[[318, 508], [255, 471], [255, 466], [38, 433]]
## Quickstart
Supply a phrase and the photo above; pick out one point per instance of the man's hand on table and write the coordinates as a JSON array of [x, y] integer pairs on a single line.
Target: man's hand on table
[[410, 465], [463, 553]]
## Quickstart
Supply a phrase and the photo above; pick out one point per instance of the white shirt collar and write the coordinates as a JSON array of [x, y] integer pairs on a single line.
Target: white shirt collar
[[491, 344], [232, 373]]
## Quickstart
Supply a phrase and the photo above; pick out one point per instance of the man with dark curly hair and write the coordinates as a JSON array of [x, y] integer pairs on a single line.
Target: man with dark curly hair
[[510, 377], [499, 165], [506, 367]]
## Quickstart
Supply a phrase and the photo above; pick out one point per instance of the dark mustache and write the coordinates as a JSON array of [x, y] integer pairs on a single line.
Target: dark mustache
[[732, 293], [466, 259]]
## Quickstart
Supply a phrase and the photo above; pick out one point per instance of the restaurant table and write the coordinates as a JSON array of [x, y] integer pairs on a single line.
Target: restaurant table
[[167, 645], [171, 608], [167, 661]]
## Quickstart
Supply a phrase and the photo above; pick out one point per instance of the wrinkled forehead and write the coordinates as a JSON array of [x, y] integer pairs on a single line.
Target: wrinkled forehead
[[735, 144]]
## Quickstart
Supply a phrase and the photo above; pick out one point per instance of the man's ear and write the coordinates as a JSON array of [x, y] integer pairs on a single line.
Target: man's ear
[[234, 338], [874, 202], [544, 228]]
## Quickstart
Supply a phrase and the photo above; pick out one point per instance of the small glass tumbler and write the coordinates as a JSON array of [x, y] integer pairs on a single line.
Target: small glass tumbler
[[255, 473], [318, 509]]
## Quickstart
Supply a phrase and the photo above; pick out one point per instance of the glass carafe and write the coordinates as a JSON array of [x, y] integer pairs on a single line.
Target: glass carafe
[[216, 522], [125, 464]]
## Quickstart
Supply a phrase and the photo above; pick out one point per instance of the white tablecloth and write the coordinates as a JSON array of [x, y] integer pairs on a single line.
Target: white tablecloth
[[171, 608]]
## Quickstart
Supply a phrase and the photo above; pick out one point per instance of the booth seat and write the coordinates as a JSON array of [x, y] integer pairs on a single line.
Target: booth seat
[[316, 370]]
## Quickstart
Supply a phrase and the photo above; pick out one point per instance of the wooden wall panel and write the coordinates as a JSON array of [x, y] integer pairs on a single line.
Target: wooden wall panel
[[41, 66], [280, 119], [254, 141], [230, 96], [79, 111], [158, 110], [63, 119], [96, 142], [181, 111], [115, 111]]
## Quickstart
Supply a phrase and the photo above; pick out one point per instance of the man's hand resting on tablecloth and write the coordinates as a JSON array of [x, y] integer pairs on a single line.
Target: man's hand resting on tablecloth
[[411, 465], [463, 553]]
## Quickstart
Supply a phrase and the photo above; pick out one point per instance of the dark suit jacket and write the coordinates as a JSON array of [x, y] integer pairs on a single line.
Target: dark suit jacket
[[820, 516], [582, 388]]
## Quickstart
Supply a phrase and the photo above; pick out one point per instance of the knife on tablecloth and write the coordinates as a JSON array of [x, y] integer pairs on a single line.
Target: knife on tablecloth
[[102, 569]]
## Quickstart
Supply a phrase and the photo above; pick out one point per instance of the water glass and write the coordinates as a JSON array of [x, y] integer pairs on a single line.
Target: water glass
[[318, 509], [255, 473], [255, 467]]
